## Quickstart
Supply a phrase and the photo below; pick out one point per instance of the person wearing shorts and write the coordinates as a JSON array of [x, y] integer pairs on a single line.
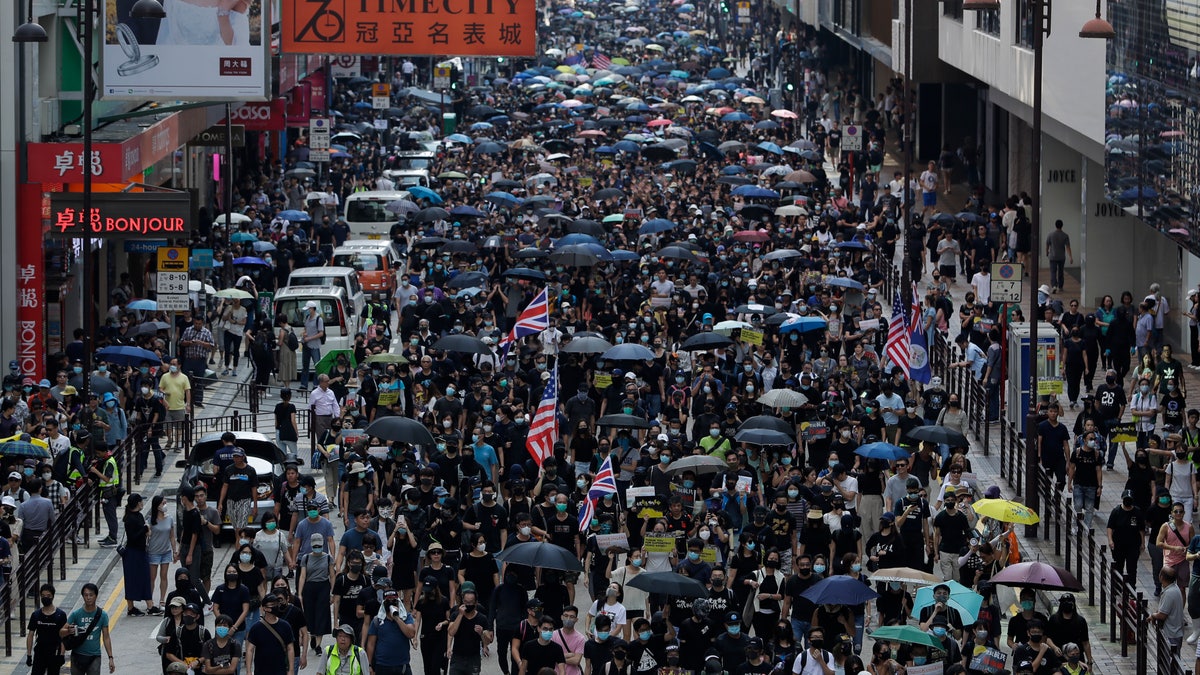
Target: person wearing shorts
[[929, 185]]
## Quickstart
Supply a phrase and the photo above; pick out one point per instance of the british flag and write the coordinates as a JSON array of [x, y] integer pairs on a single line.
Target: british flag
[[601, 61], [605, 483], [534, 319], [543, 430]]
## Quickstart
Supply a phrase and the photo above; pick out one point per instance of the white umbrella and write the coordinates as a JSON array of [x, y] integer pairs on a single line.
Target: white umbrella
[[783, 398], [726, 327]]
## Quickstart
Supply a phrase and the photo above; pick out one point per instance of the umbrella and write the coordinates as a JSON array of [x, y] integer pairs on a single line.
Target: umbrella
[[1006, 511], [123, 355], [677, 252], [467, 280], [242, 237], [609, 193], [839, 590], [421, 192], [669, 583], [294, 214], [458, 246], [387, 357], [755, 308], [655, 225], [23, 449], [963, 599], [263, 247], [763, 437], [329, 358], [541, 554], [628, 352], [881, 450], [725, 327], [701, 464], [525, 273], [465, 344], [431, 214], [463, 211], [767, 422], [143, 305], [782, 254], [430, 242], [98, 384], [1037, 575], [233, 294], [938, 434], [803, 324], [706, 340], [575, 255], [587, 345], [251, 260], [783, 398], [909, 634], [623, 422], [904, 575], [399, 429], [149, 327], [843, 282], [530, 253], [401, 207]]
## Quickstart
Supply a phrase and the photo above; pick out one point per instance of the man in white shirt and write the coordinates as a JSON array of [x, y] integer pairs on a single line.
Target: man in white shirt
[[404, 290], [981, 283], [929, 187], [815, 660], [551, 338], [661, 290]]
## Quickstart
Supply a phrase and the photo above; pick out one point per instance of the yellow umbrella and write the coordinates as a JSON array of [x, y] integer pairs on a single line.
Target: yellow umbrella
[[655, 48], [1006, 511], [565, 69], [620, 61]]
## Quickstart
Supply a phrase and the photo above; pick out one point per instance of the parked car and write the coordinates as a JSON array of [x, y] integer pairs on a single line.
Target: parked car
[[262, 454]]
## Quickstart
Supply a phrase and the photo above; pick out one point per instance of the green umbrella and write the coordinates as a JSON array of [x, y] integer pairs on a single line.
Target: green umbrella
[[242, 237], [329, 359], [910, 634], [614, 218]]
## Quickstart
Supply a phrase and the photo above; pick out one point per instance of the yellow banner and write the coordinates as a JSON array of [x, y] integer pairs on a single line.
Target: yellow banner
[[387, 398], [754, 337], [1049, 387], [655, 543], [603, 381]]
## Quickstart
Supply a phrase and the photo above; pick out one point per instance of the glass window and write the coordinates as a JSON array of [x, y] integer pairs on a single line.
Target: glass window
[[368, 211], [988, 21], [363, 262], [1024, 16], [953, 9]]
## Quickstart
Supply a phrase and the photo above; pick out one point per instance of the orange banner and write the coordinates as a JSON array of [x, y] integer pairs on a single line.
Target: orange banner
[[415, 27]]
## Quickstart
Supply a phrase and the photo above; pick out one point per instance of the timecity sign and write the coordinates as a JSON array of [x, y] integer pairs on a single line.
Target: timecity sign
[[153, 215]]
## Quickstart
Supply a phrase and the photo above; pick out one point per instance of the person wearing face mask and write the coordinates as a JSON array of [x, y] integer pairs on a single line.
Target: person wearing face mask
[[233, 598], [185, 645], [647, 645], [469, 635], [42, 642], [815, 660], [1084, 470], [1040, 651], [1181, 479], [542, 651], [1157, 517], [270, 642], [347, 591], [222, 654], [488, 517]]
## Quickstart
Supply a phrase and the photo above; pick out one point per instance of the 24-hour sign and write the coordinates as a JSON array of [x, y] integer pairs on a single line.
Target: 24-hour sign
[[150, 215], [417, 27]]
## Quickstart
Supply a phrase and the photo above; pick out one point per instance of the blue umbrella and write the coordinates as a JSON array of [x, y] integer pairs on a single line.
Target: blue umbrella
[[422, 192], [605, 150], [767, 146], [621, 255], [503, 199], [628, 352], [755, 192], [840, 590], [718, 73], [263, 247], [575, 238], [124, 355], [143, 305], [626, 146], [803, 324], [853, 244], [250, 260], [464, 211], [736, 117], [295, 214], [656, 225], [362, 105], [733, 170], [881, 450], [23, 449], [459, 138], [843, 282], [480, 126], [963, 599], [243, 237]]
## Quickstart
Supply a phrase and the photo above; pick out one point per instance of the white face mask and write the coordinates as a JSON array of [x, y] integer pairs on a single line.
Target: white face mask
[[705, 534]]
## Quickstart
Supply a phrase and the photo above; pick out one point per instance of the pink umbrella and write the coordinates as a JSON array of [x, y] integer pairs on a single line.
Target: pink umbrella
[[784, 114], [1037, 575], [659, 123]]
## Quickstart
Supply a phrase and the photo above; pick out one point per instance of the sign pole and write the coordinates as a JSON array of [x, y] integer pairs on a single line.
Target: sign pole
[[227, 269]]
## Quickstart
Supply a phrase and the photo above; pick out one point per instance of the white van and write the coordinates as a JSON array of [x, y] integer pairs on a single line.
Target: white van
[[341, 324], [406, 178], [365, 215], [345, 277]]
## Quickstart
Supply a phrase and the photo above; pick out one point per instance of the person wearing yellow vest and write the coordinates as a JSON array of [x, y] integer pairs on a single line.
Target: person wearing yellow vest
[[107, 474], [344, 657]]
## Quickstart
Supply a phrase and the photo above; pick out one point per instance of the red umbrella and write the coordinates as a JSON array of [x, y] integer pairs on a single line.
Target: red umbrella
[[659, 123], [757, 236], [1037, 575]]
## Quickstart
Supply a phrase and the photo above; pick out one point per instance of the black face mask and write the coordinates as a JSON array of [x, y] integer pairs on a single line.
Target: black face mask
[[189, 620], [816, 643], [47, 600]]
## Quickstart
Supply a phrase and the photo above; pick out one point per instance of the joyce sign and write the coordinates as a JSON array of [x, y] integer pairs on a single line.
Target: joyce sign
[[415, 27], [122, 215]]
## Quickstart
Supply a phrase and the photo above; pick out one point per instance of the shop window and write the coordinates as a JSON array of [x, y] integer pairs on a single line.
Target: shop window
[[988, 21]]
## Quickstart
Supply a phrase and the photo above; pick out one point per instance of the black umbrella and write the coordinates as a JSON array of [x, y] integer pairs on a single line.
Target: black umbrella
[[755, 211], [782, 254], [506, 184], [734, 180], [399, 429], [609, 193], [939, 434], [659, 153], [677, 252], [525, 273], [763, 437], [585, 226], [531, 253], [431, 242], [458, 246], [623, 422], [558, 145], [467, 280], [541, 554], [428, 215], [574, 256], [465, 344], [684, 166], [488, 148], [767, 422], [705, 340], [149, 327], [755, 308], [669, 583]]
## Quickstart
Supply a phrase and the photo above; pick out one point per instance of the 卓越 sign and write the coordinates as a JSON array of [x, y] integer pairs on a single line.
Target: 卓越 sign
[[148, 215], [418, 27]]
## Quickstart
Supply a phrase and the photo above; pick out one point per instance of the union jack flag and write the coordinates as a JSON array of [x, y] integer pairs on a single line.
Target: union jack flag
[[534, 319], [601, 61], [543, 430], [605, 483]]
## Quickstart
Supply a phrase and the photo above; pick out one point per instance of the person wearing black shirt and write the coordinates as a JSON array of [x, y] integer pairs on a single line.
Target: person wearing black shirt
[[43, 646], [1110, 404], [469, 633], [648, 648], [696, 635], [1037, 646], [347, 588], [542, 652], [731, 644], [951, 530]]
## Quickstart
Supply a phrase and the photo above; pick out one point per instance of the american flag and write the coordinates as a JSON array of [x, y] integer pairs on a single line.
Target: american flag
[[543, 430], [898, 338], [534, 319], [605, 483], [601, 61]]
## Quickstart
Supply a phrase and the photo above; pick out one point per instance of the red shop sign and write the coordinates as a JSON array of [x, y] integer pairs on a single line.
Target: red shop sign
[[263, 116]]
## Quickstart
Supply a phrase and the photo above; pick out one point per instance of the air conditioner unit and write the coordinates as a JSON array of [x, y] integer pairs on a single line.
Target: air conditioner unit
[[49, 117]]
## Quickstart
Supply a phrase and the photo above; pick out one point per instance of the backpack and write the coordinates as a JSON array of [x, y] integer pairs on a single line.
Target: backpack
[[825, 656], [321, 329], [293, 342], [62, 464]]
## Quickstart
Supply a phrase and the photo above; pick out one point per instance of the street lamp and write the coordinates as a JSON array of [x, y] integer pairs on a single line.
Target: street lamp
[[1093, 28], [33, 32]]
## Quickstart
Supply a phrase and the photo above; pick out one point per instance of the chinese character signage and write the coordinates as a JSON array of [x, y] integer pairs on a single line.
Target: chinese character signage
[[417, 27], [197, 53], [148, 215], [31, 283]]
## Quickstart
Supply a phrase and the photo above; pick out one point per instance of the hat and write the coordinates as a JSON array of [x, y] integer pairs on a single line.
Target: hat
[[1175, 438], [664, 438], [383, 582], [192, 607], [44, 384], [440, 491], [545, 375], [316, 538], [435, 546], [630, 376], [357, 467], [69, 390], [238, 452], [467, 586], [28, 382], [16, 475], [177, 601], [1044, 289], [733, 617], [755, 642], [992, 493], [1128, 494], [815, 514], [950, 489], [888, 516], [311, 304], [533, 602], [346, 629]]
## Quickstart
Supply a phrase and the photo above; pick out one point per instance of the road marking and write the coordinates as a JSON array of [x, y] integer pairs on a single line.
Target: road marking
[[113, 597]]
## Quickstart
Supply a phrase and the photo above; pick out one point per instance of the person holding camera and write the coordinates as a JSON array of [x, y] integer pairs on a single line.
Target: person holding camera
[[389, 637]]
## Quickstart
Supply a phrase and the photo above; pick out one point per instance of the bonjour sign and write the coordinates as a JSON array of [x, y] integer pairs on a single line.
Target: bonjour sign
[[121, 215]]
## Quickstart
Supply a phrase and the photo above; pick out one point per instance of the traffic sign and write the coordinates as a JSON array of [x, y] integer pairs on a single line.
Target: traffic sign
[[381, 96], [743, 12], [441, 77], [318, 133], [173, 259], [172, 283], [173, 303], [852, 138], [1006, 282]]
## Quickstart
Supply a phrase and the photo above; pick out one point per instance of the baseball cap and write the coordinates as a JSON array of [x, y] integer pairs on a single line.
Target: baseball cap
[[733, 617], [310, 305], [316, 538], [888, 516], [178, 601], [345, 628], [993, 492], [14, 476], [435, 546]]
